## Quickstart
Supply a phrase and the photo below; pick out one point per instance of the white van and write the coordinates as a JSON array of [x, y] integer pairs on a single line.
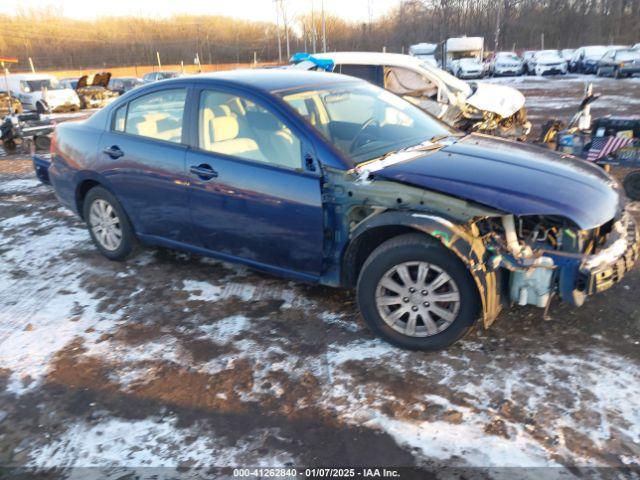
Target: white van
[[425, 52], [40, 92]]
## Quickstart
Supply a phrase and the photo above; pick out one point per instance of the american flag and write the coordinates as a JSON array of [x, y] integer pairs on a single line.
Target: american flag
[[603, 146]]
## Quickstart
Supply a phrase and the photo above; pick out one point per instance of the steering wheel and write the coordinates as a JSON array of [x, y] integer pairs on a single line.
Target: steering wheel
[[360, 139]]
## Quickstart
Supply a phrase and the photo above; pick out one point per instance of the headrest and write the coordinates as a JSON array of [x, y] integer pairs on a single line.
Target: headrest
[[224, 128]]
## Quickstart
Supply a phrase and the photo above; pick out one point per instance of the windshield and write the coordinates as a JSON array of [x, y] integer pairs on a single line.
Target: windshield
[[165, 75], [627, 55], [37, 85], [548, 57], [365, 122], [595, 52], [508, 56]]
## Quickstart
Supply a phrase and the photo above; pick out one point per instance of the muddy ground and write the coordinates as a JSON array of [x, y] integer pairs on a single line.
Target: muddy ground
[[183, 363]]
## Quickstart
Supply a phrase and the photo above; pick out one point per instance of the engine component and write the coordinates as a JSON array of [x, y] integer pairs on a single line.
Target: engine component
[[533, 285]]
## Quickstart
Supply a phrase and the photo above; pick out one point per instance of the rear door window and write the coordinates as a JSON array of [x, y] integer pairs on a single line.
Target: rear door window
[[158, 115]]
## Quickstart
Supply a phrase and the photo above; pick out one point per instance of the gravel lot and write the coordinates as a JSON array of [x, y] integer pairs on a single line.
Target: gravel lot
[[176, 361]]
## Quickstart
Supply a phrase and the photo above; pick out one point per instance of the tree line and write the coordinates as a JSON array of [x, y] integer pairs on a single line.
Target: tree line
[[54, 41]]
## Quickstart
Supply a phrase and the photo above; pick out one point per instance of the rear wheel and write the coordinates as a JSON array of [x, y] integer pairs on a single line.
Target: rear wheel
[[108, 224], [416, 294]]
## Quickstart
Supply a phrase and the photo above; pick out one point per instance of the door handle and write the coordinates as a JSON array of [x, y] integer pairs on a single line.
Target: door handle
[[203, 171], [113, 151]]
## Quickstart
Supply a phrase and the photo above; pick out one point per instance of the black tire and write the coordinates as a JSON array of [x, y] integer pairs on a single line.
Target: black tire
[[632, 185], [410, 248], [128, 239]]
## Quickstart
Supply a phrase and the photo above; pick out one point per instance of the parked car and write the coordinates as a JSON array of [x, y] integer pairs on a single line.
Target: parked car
[[619, 63], [547, 62], [467, 68], [326, 178], [155, 76], [40, 92], [505, 63], [526, 60], [566, 54], [123, 84], [585, 59], [483, 107]]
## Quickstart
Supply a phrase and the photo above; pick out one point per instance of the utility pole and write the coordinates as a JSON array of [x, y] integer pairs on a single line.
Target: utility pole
[[497, 40], [542, 41], [286, 28], [278, 30], [313, 29], [324, 30]]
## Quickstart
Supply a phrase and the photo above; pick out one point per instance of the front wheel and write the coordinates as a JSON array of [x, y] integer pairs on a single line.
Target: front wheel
[[108, 224], [632, 185], [416, 294]]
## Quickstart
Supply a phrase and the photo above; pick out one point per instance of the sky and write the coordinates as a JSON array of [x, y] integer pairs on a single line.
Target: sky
[[354, 10]]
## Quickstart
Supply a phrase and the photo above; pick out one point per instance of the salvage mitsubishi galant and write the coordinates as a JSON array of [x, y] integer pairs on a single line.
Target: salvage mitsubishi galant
[[329, 179]]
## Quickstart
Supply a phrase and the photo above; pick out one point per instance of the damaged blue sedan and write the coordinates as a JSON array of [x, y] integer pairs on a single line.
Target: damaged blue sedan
[[326, 178]]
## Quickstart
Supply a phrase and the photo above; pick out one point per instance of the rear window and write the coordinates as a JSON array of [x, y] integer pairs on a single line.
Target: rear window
[[158, 115], [627, 55]]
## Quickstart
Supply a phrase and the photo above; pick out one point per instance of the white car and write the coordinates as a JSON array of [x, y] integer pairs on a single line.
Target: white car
[[547, 62], [40, 92], [467, 68], [506, 63], [485, 107]]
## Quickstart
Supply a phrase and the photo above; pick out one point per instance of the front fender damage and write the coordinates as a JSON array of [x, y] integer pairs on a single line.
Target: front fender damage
[[465, 242], [355, 206]]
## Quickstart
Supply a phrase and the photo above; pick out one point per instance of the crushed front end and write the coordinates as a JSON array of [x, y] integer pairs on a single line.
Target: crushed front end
[[545, 256], [516, 126]]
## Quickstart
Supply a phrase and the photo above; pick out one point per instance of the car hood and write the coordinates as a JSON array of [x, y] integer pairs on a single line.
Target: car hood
[[500, 99], [514, 178]]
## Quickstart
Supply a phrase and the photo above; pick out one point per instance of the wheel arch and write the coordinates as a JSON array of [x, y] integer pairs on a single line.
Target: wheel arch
[[85, 181], [456, 238]]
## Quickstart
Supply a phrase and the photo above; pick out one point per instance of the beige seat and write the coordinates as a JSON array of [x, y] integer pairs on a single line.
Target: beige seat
[[158, 125], [220, 134]]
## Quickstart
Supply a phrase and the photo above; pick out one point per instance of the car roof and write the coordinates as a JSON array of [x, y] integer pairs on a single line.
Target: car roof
[[275, 79], [371, 58]]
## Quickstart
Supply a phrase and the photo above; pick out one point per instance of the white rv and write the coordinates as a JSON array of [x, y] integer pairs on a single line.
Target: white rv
[[425, 52], [40, 92], [463, 56]]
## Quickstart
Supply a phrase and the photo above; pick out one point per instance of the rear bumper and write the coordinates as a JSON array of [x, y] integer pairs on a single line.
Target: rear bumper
[[507, 71], [601, 271], [470, 74], [41, 163], [630, 70], [552, 71]]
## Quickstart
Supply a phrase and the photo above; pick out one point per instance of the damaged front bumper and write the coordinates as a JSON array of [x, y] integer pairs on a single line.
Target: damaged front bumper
[[601, 271], [535, 276]]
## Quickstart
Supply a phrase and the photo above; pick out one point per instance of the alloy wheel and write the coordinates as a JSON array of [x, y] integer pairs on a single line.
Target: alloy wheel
[[105, 224], [417, 299]]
